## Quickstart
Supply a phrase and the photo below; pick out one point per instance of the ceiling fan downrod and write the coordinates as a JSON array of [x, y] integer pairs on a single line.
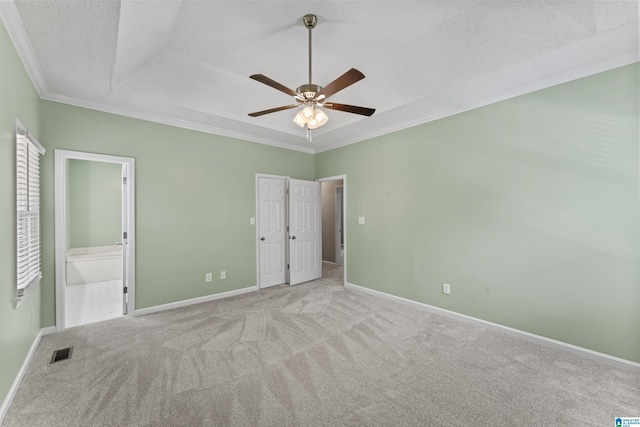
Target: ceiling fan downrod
[[310, 22], [307, 93]]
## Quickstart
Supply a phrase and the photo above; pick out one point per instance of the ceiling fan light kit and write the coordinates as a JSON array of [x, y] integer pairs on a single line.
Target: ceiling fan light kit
[[310, 116], [312, 97]]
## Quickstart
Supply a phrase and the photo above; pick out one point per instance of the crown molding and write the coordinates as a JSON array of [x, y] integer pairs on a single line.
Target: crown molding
[[170, 121], [13, 23], [619, 56]]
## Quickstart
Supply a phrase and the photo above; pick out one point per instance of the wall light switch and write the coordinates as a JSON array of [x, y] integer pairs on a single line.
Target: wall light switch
[[360, 220], [252, 221], [223, 275]]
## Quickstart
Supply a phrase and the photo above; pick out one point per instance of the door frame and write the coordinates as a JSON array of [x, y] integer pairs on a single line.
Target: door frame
[[257, 224], [339, 225], [344, 216], [60, 228]]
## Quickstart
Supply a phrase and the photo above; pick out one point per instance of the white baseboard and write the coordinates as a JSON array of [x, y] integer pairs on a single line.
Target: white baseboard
[[185, 303], [16, 382], [538, 339], [48, 330]]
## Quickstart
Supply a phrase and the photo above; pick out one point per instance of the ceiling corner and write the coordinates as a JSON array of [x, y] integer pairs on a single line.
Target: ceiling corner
[[13, 23]]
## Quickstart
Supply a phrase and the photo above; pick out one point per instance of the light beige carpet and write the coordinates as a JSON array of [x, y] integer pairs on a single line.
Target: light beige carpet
[[316, 354]]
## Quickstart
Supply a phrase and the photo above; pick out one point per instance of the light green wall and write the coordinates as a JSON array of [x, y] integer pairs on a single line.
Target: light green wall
[[17, 99], [94, 197], [529, 208], [195, 193]]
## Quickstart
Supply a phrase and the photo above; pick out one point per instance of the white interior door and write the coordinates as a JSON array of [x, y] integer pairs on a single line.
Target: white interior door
[[339, 226], [271, 231], [125, 239], [305, 235]]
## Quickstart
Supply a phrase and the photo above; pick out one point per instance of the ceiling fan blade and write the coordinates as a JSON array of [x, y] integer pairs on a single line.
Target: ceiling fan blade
[[345, 80], [350, 108], [274, 84], [273, 110]]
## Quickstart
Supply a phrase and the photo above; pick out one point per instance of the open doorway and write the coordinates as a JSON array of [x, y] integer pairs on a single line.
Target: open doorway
[[94, 237], [333, 228]]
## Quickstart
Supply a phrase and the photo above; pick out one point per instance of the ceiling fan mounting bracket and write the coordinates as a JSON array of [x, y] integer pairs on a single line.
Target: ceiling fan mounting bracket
[[310, 21]]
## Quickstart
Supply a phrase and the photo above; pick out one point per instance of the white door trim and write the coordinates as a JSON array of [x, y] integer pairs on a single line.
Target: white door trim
[[338, 232], [60, 231], [257, 221], [344, 215]]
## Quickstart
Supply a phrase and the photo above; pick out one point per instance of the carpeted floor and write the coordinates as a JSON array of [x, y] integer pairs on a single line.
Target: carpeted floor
[[315, 354], [333, 272]]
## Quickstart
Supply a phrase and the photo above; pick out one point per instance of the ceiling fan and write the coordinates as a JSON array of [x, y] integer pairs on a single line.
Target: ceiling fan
[[311, 96]]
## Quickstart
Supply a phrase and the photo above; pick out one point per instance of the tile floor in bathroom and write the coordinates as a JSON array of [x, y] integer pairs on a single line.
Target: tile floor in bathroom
[[93, 302]]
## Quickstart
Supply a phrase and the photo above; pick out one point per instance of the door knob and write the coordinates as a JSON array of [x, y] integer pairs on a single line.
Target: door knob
[[262, 238], [293, 237]]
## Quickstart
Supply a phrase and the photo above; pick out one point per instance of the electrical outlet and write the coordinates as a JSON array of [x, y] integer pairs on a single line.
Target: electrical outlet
[[223, 275], [446, 288], [208, 277]]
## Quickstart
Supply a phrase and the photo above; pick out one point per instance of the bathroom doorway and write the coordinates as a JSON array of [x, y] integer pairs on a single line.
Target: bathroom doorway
[[333, 228], [94, 237]]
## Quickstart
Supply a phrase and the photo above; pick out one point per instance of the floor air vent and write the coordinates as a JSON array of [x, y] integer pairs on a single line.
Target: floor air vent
[[62, 354]]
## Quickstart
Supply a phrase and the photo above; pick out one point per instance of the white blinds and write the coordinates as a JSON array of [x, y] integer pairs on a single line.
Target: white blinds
[[28, 152]]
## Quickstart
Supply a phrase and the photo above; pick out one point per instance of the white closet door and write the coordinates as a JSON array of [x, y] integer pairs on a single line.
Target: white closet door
[[305, 235], [272, 231]]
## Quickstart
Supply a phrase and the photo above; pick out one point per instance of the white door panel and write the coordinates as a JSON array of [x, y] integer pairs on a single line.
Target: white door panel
[[305, 244], [271, 223], [125, 240]]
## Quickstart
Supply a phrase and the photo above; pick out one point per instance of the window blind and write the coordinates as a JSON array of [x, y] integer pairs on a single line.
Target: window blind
[[28, 271]]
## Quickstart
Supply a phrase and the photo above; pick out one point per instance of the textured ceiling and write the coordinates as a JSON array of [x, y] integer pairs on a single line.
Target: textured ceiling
[[188, 63]]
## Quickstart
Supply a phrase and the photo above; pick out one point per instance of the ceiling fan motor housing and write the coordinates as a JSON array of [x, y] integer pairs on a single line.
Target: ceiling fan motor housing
[[309, 91]]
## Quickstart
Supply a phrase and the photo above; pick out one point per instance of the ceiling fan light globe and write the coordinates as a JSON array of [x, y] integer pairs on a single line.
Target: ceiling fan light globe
[[299, 119], [307, 113], [320, 117], [313, 124]]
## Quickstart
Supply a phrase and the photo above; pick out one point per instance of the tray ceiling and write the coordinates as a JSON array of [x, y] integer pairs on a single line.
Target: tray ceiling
[[187, 63]]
